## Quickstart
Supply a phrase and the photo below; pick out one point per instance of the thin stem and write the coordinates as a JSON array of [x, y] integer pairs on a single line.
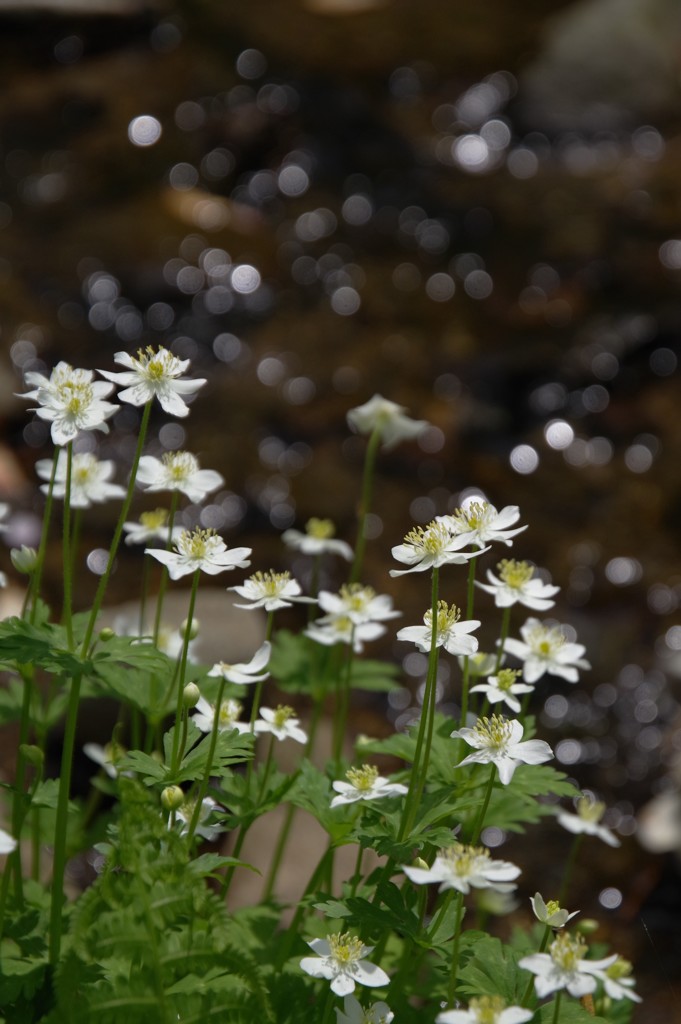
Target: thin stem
[[505, 622], [343, 705], [475, 835], [42, 547], [455, 949], [556, 1011], [421, 758], [174, 501], [357, 873], [67, 567], [292, 930], [59, 863], [258, 689], [175, 764], [470, 598], [203, 785], [123, 515], [365, 502], [569, 865], [542, 946]]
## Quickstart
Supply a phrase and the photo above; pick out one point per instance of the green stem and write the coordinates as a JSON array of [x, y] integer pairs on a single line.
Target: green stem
[[175, 763], [292, 930], [255, 708], [67, 567], [174, 501], [569, 865], [556, 1011], [42, 547], [421, 756], [365, 502], [475, 835], [455, 949], [203, 785], [123, 515], [542, 946], [505, 622], [342, 706], [59, 863], [357, 873], [470, 598]]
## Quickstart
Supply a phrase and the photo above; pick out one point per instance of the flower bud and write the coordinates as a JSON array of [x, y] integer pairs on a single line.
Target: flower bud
[[32, 753], [172, 798], [193, 630], [191, 695], [419, 862], [106, 634], [24, 559], [587, 926]]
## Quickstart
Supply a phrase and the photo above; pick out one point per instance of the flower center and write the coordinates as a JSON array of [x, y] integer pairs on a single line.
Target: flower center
[[197, 544], [429, 541], [462, 858], [487, 1009], [320, 529], [83, 468], [552, 907], [346, 949], [545, 640], [567, 952], [363, 778], [446, 617], [621, 968], [472, 517], [154, 520], [515, 574], [506, 678], [494, 732], [155, 366], [229, 712], [179, 466], [76, 395], [271, 583], [589, 809], [356, 597], [282, 715]]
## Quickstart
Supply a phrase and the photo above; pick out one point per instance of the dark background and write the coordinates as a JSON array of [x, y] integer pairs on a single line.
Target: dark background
[[473, 208]]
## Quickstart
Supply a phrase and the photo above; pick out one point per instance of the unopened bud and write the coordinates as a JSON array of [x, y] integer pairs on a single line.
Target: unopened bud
[[106, 634], [587, 926], [24, 559], [193, 629], [419, 862], [172, 798], [32, 753], [191, 695]]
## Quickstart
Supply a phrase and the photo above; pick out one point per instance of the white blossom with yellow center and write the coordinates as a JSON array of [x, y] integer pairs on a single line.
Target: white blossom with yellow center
[[617, 980], [388, 418], [430, 547], [486, 1010], [200, 550], [228, 716], [551, 913], [464, 868], [451, 633], [71, 401], [340, 629], [354, 1013], [358, 602], [481, 524], [152, 525], [565, 967], [319, 539], [185, 813], [245, 673], [364, 784], [89, 479], [497, 741], [178, 471], [516, 584], [281, 723], [340, 960], [587, 820], [154, 374], [503, 688], [544, 648], [271, 591]]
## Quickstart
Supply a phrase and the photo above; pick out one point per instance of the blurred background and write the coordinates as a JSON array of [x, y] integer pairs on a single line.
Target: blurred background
[[473, 209]]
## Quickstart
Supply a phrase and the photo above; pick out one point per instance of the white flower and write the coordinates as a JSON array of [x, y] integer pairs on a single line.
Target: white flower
[[617, 981], [71, 401], [271, 591], [464, 868], [450, 632], [151, 526], [282, 723], [386, 417], [185, 814], [89, 479], [354, 1013], [154, 375], [24, 559], [430, 547], [503, 688], [107, 757], [358, 603], [178, 471], [586, 820], [228, 714], [364, 784], [340, 960], [318, 539], [481, 663], [481, 524], [242, 674], [515, 585], [545, 649], [564, 967], [342, 630], [200, 549], [486, 1010], [7, 843], [498, 741], [551, 913]]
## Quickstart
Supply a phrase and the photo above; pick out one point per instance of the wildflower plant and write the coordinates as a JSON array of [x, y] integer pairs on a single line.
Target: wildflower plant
[[193, 763]]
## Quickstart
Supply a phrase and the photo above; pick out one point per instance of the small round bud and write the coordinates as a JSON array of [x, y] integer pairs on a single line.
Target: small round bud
[[419, 862], [191, 695], [106, 634], [172, 798], [193, 631], [32, 753], [24, 559], [587, 926]]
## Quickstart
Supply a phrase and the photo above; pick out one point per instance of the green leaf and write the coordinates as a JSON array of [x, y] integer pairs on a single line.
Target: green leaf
[[493, 971], [571, 1012], [146, 766]]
